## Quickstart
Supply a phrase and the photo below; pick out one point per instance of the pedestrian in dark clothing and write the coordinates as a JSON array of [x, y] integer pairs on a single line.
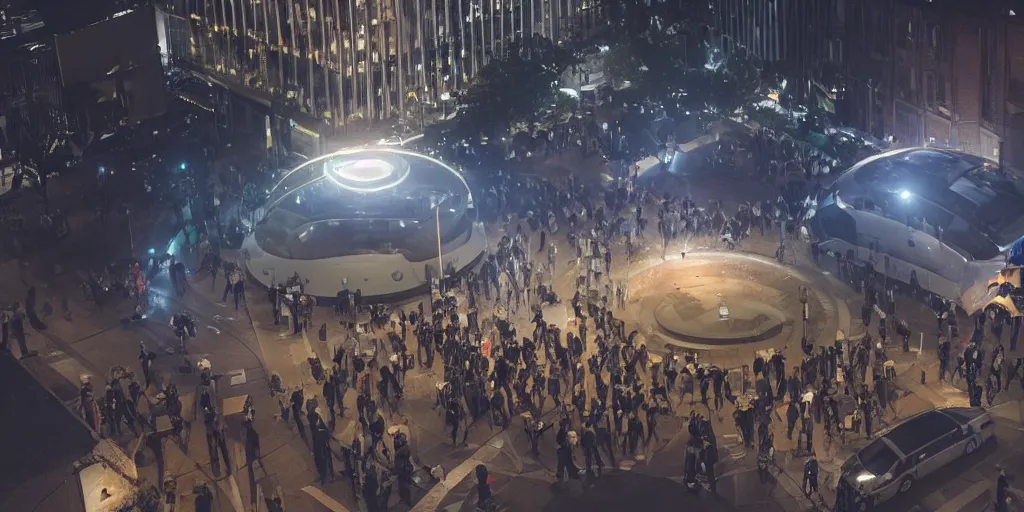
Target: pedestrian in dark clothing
[[146, 361], [454, 415], [705, 383], [483, 485], [565, 464], [329, 396], [499, 415], [944, 349], [18, 330], [602, 428], [1002, 492], [635, 433], [297, 400], [717, 379], [868, 412], [792, 414], [322, 452], [652, 422], [370, 488], [591, 455], [810, 483]]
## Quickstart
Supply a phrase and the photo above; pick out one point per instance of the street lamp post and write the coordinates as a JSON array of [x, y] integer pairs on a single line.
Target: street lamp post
[[804, 316], [440, 258], [131, 237]]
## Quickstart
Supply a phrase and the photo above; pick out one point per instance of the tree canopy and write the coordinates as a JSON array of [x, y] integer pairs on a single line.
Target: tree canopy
[[521, 87], [655, 64]]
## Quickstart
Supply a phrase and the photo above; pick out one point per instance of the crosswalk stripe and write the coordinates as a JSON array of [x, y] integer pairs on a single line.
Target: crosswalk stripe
[[324, 499], [965, 498], [230, 486]]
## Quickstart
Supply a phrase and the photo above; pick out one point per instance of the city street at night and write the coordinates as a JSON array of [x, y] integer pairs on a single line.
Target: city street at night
[[263, 256]]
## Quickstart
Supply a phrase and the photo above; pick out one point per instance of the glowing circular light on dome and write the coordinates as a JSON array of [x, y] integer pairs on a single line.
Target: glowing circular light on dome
[[367, 172], [363, 171]]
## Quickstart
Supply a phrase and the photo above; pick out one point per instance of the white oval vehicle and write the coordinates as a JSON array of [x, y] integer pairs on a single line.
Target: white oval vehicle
[[936, 219]]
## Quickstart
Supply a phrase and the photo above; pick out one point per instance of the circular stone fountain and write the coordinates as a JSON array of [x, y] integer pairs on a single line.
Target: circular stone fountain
[[720, 300], [695, 317]]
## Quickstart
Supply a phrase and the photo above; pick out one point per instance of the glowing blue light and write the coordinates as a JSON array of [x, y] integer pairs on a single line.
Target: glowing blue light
[[904, 195], [152, 250], [102, 170], [183, 166]]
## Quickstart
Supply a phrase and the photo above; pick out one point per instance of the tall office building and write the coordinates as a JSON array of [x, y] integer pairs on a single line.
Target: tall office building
[[342, 60], [30, 91], [791, 37], [939, 73]]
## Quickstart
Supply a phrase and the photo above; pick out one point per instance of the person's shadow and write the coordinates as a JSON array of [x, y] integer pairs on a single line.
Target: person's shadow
[[30, 310]]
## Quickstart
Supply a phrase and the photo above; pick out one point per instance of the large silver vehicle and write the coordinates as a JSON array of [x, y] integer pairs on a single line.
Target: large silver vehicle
[[936, 219], [902, 455]]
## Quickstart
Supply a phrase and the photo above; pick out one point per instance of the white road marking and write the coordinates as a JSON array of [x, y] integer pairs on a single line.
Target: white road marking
[[437, 493], [965, 498], [305, 343], [230, 486], [324, 499]]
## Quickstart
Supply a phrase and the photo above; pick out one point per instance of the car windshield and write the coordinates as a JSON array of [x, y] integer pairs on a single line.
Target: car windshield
[[877, 458]]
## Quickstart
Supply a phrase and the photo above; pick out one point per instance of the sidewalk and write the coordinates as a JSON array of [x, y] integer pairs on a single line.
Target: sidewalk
[[285, 454], [286, 354]]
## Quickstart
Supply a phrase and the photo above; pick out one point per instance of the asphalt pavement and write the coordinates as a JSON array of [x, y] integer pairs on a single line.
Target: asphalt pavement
[[246, 341]]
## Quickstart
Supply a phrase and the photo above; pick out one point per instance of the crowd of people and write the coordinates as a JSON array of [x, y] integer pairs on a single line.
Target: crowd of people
[[607, 392], [534, 339]]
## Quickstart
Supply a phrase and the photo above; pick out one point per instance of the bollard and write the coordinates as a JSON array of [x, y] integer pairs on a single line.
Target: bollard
[[922, 377]]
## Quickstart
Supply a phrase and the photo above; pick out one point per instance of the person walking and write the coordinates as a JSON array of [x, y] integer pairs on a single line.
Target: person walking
[[566, 467], [1002, 492], [591, 454], [792, 414], [17, 328], [146, 361], [810, 483]]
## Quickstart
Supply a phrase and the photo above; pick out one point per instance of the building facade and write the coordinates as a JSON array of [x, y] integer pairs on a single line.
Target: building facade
[[789, 37], [935, 73], [1012, 152], [30, 89], [341, 61]]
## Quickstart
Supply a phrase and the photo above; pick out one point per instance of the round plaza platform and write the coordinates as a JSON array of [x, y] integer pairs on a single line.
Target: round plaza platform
[[721, 300], [689, 317]]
